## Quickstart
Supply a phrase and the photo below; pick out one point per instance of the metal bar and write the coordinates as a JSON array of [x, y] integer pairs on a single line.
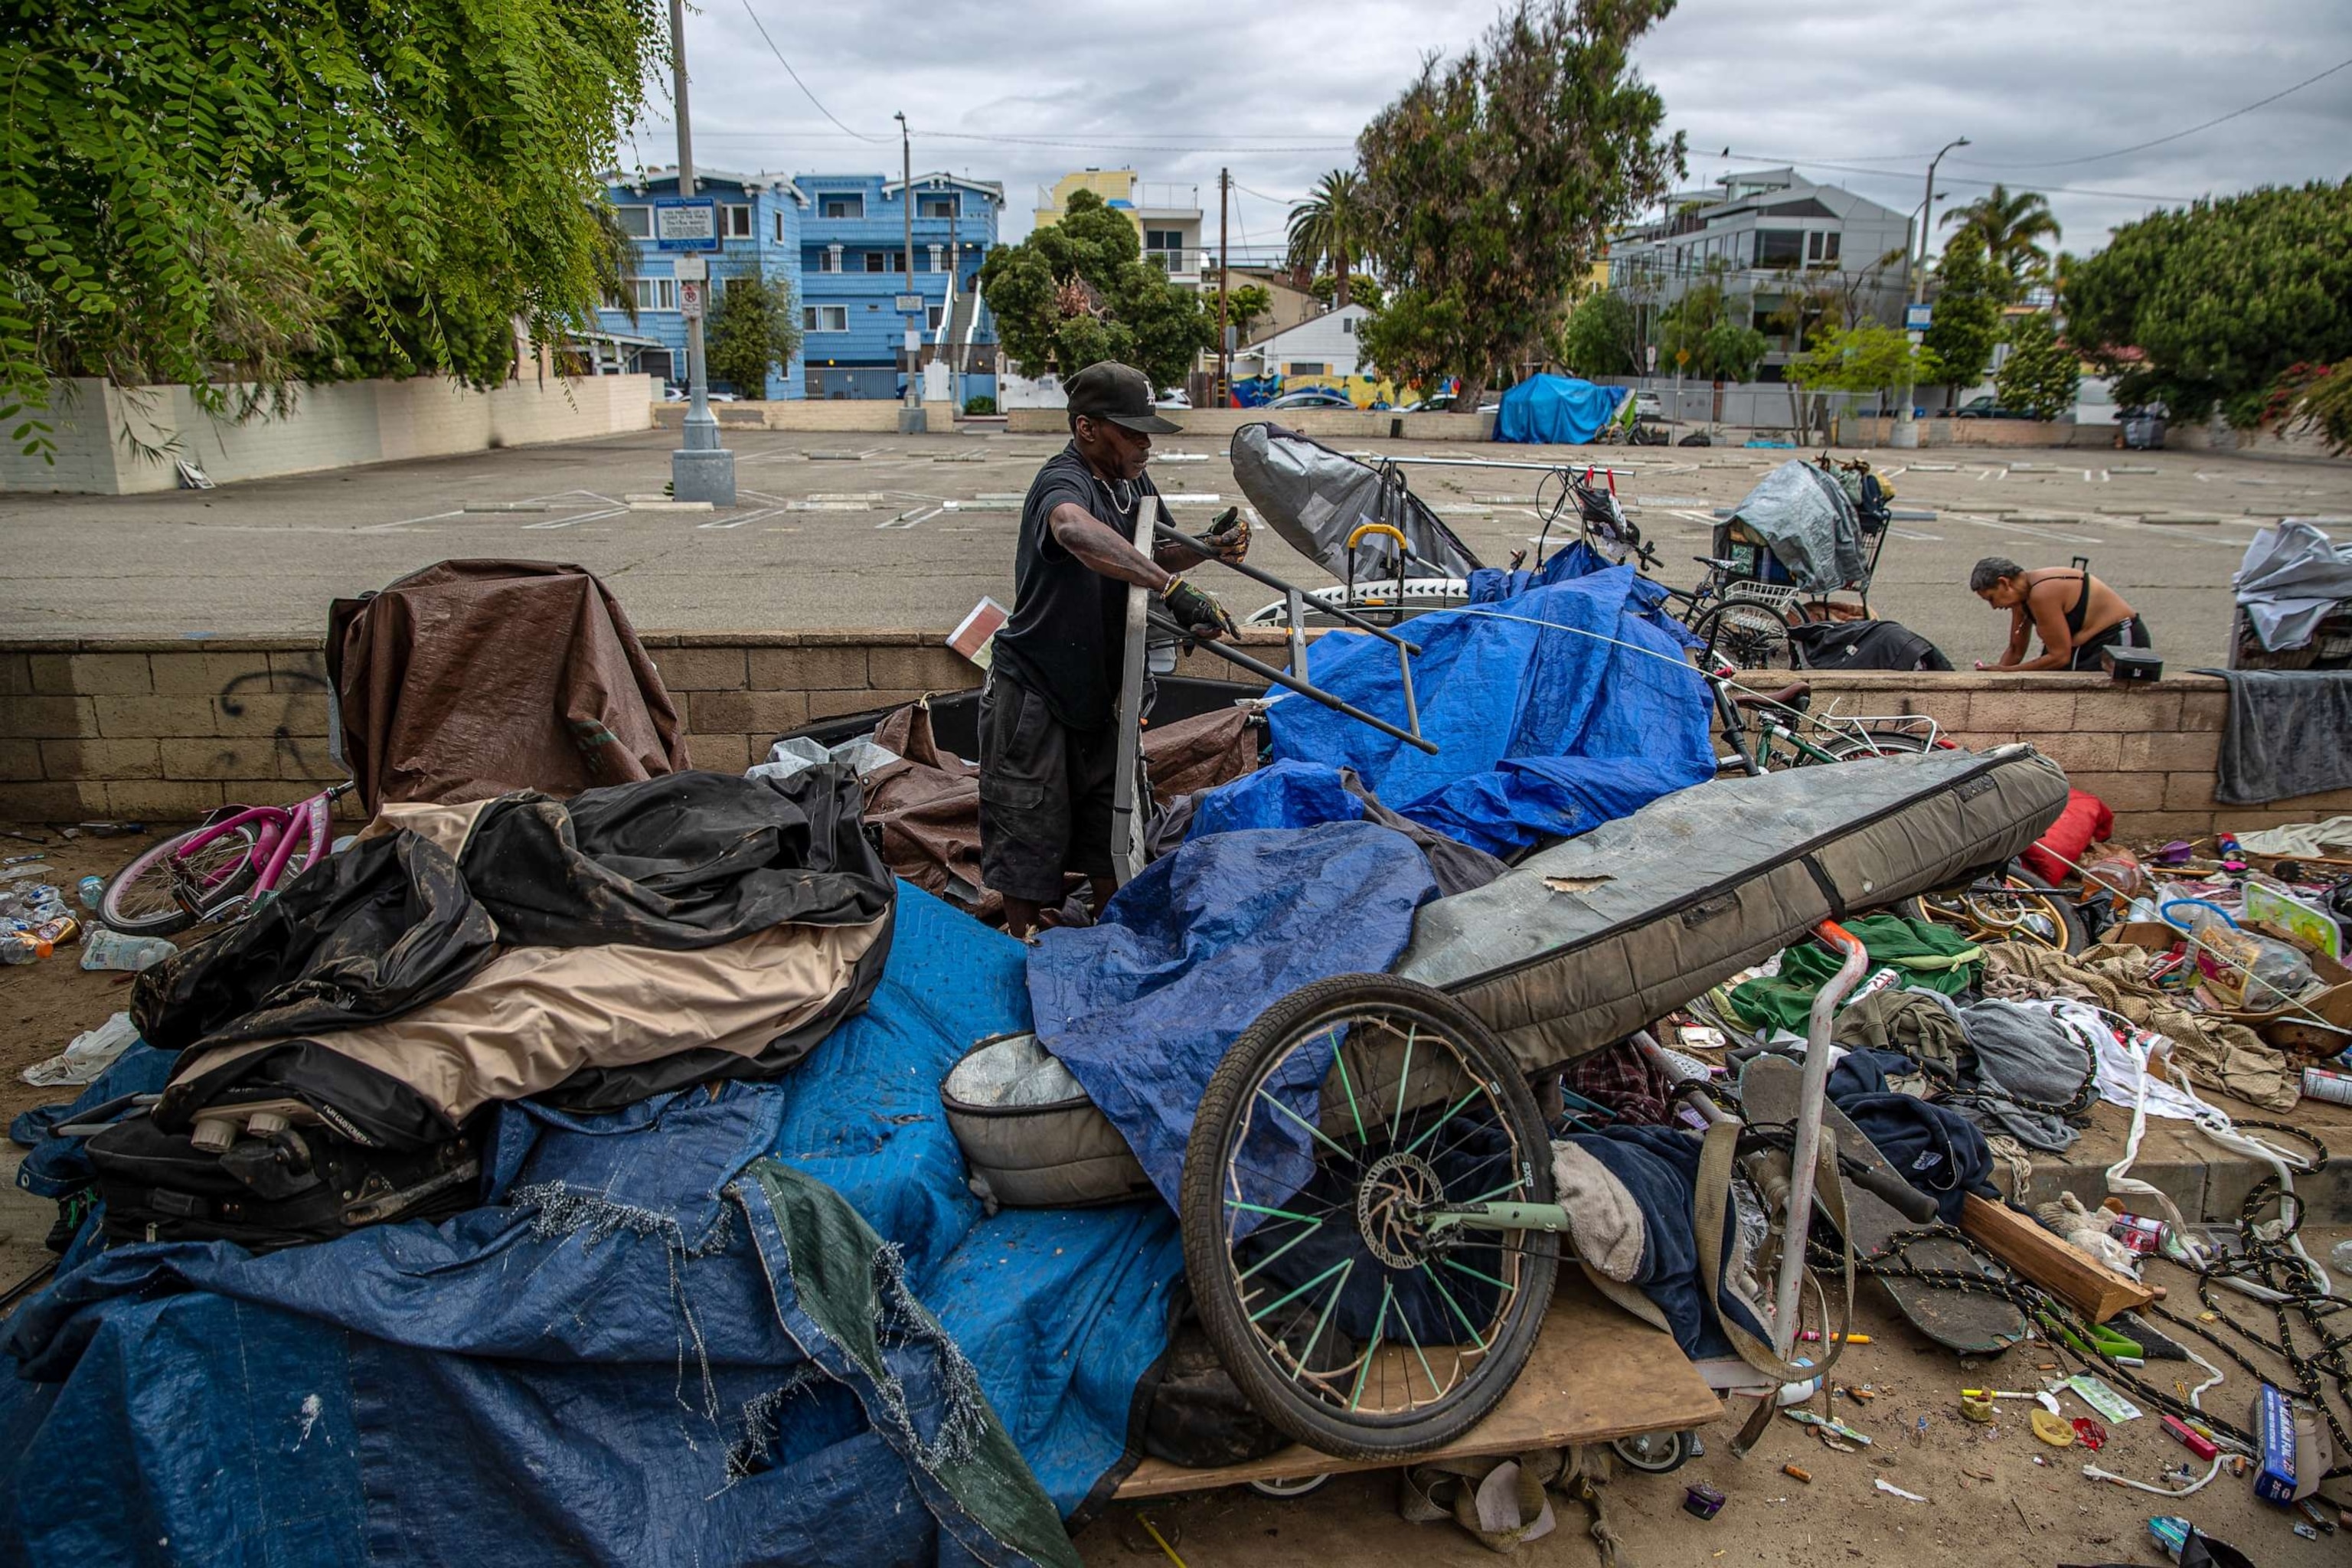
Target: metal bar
[[1807, 1151], [1177, 536], [1126, 822], [1235, 656], [1296, 602]]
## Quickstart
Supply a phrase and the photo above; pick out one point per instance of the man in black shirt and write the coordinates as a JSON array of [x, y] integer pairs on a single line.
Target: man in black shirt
[[1048, 716]]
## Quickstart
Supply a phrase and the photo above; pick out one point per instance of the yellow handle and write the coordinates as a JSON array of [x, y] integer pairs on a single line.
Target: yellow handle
[[1364, 528]]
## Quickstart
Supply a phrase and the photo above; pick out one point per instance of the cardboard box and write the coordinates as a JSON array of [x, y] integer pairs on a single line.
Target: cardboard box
[[2274, 1446]]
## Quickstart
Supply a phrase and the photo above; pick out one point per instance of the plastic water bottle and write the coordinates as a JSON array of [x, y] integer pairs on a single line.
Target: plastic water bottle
[[108, 949], [90, 889]]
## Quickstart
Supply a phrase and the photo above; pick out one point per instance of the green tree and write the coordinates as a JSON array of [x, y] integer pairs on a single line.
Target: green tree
[[1493, 180], [1865, 360], [1331, 225], [1363, 288], [2010, 226], [224, 194], [1599, 337], [1244, 307], [1732, 349], [2041, 374], [1712, 329], [1967, 321], [1079, 291], [753, 328], [2208, 305]]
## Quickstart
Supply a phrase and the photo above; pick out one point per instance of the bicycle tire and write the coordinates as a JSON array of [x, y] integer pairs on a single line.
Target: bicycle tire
[[1748, 634], [2042, 899], [1222, 1296], [1872, 744], [162, 914]]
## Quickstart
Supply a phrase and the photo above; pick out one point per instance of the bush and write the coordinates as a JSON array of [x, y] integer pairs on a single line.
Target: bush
[[980, 405]]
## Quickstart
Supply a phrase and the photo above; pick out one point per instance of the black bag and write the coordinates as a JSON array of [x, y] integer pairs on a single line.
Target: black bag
[[296, 1184], [1864, 645]]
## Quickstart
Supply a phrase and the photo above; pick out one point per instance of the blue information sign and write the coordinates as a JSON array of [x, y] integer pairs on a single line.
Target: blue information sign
[[686, 223]]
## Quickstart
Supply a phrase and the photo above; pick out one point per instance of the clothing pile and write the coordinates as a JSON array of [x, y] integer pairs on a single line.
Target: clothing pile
[[338, 1042]]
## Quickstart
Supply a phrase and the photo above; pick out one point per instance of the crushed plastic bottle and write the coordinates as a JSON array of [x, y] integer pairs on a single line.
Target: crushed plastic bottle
[[22, 947], [108, 949], [90, 891]]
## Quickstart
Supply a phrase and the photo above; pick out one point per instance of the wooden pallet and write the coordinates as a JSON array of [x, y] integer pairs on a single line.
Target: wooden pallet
[[1596, 1373]]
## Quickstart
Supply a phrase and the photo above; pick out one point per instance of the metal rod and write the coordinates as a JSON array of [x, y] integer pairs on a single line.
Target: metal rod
[[1126, 837], [1235, 656], [1814, 1089], [1177, 536], [1296, 602]]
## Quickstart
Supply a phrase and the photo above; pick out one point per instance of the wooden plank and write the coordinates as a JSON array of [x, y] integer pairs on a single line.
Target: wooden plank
[[2097, 1290], [1597, 1373]]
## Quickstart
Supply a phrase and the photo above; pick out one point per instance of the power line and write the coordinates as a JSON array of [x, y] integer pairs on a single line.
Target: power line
[[2160, 140], [797, 83], [1848, 168]]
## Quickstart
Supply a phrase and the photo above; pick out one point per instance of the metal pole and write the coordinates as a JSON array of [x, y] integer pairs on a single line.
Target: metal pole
[[948, 316], [1808, 1139], [907, 207], [695, 476], [1222, 395], [1906, 427]]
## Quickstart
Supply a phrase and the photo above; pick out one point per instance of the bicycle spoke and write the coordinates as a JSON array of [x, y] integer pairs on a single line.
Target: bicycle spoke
[[1380, 1326], [1312, 1130], [1347, 1272], [1344, 1264], [1403, 1074], [1312, 1227], [1475, 1274], [1460, 1316], [1450, 1112], [1339, 1060]]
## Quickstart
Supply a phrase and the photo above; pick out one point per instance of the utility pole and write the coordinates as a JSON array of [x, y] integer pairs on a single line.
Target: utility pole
[[702, 469], [1221, 395], [1906, 427], [912, 418]]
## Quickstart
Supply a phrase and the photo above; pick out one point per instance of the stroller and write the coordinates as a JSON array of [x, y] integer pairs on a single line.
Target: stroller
[[1809, 531]]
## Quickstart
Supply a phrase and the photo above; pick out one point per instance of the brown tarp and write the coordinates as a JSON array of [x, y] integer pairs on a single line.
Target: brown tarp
[[926, 804], [474, 679]]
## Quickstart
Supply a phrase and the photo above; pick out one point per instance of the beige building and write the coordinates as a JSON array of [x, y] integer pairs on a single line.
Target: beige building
[[1166, 216]]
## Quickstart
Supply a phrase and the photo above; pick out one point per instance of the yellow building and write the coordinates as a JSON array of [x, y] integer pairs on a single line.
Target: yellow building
[[1167, 218]]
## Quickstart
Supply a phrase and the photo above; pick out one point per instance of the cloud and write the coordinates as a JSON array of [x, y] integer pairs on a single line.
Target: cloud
[[1275, 90]]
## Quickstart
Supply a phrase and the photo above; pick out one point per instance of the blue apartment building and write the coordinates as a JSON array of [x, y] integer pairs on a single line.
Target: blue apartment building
[[840, 241]]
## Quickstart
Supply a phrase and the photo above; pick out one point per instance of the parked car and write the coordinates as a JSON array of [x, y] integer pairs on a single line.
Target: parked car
[[1313, 397], [1648, 405], [1982, 407], [1174, 397]]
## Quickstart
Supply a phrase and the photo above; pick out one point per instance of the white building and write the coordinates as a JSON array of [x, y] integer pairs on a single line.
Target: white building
[[1321, 349]]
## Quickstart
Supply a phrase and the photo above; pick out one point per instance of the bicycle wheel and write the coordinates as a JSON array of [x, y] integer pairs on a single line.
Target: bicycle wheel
[[2019, 906], [1868, 743], [144, 899], [1343, 1123], [1748, 634]]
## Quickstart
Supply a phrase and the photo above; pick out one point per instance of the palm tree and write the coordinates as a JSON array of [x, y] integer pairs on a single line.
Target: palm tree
[[1330, 225], [2011, 226]]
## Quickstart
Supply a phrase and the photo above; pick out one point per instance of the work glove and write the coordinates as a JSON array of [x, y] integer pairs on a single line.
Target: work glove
[[1228, 537], [1196, 611]]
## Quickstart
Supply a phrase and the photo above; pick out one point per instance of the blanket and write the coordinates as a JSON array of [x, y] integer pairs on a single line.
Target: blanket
[[2289, 733]]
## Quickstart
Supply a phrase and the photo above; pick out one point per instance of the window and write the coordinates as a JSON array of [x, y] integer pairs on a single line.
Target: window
[[638, 223], [780, 227], [938, 206], [1779, 247], [934, 263], [655, 293], [841, 207], [825, 318], [932, 316], [1821, 247], [877, 261], [1306, 367], [1349, 326], [1163, 239], [829, 259], [735, 222]]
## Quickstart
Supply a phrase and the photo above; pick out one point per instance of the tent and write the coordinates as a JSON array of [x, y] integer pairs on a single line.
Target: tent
[[1554, 410]]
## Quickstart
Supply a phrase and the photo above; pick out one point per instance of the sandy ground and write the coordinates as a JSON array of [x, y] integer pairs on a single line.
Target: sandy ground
[[847, 530]]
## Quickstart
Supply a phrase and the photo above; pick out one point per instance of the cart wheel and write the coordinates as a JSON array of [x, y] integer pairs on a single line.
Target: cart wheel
[[1654, 1453], [1748, 634], [1296, 1487], [1337, 1129], [2019, 906]]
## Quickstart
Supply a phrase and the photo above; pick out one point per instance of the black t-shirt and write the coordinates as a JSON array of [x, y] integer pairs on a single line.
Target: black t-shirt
[[1068, 627]]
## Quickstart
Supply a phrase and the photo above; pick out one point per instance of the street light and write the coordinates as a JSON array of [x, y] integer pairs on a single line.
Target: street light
[[702, 469], [1906, 427]]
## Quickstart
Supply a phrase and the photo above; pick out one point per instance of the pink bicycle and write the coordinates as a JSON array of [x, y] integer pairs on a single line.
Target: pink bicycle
[[239, 854]]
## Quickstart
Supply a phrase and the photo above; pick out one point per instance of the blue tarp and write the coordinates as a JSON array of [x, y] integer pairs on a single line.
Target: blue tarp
[[606, 1365], [1553, 410], [1540, 732], [1142, 1006]]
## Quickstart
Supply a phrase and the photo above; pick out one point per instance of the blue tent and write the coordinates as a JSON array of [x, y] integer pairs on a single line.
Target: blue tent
[[1552, 410]]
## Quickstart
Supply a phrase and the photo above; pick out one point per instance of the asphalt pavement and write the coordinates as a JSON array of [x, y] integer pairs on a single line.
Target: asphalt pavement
[[845, 531]]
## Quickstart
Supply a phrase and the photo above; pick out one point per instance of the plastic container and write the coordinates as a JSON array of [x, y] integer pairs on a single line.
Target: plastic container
[[18, 947], [108, 949], [89, 1054], [90, 891]]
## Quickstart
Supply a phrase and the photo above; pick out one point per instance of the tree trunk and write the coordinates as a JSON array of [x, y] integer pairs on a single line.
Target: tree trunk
[[1468, 399], [1339, 287]]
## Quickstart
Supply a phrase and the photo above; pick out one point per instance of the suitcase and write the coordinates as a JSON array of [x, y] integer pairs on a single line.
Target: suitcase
[[288, 1186]]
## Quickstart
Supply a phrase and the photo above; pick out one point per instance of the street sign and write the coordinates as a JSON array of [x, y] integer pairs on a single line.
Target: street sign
[[1653, 356], [914, 341], [693, 267], [686, 223], [689, 299], [1917, 317], [910, 304], [1682, 357]]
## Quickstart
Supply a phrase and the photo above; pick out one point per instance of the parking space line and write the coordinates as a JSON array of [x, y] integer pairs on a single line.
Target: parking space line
[[2027, 528], [575, 520], [738, 521]]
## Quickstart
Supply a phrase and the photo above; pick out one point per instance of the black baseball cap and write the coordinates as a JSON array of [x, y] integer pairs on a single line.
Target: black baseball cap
[[1119, 392]]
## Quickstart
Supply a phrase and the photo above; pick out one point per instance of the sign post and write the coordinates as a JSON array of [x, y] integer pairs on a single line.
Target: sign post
[[700, 469]]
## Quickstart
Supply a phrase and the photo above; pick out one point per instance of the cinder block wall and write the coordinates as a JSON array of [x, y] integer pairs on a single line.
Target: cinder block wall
[[164, 731]]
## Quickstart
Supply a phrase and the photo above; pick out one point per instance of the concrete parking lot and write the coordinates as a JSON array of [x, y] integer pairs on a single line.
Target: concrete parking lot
[[883, 530]]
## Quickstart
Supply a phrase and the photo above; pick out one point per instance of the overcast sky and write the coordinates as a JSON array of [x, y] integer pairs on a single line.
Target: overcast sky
[[1277, 90]]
